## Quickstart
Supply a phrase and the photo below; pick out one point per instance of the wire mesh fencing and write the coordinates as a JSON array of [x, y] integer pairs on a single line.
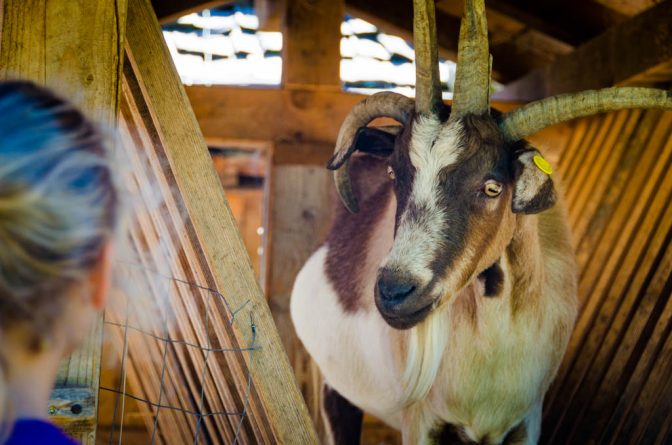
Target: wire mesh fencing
[[173, 367]]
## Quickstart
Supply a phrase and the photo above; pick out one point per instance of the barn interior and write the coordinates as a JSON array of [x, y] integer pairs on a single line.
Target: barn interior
[[269, 83]]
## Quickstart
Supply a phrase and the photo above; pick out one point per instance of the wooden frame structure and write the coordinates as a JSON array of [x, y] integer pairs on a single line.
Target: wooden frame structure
[[619, 357], [158, 127]]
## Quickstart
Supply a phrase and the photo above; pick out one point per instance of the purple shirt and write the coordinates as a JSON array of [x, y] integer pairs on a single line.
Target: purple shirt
[[36, 432]]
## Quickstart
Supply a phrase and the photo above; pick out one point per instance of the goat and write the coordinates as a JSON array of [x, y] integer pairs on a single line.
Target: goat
[[444, 307]]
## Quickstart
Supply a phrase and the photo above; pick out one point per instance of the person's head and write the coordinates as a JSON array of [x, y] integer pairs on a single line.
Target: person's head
[[58, 212]]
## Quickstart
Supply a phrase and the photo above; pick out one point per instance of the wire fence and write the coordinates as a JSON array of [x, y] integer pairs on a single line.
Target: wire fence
[[145, 345]]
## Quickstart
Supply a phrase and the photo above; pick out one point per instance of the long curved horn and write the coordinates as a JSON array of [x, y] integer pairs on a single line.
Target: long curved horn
[[427, 81], [538, 115], [385, 104], [472, 78]]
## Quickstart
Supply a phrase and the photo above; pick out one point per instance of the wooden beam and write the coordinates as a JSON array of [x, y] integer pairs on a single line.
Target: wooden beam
[[551, 17], [303, 114], [618, 56], [77, 49], [270, 14], [515, 49], [249, 116], [628, 7], [312, 37], [170, 10], [220, 251]]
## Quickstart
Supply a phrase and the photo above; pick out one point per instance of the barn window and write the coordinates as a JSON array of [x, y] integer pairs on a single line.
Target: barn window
[[225, 46]]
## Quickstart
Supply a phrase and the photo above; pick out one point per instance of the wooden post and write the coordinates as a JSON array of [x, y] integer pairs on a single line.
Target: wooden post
[[299, 193], [311, 52], [213, 238], [76, 47]]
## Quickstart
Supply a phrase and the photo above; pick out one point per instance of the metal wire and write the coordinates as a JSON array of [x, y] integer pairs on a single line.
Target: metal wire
[[121, 393]]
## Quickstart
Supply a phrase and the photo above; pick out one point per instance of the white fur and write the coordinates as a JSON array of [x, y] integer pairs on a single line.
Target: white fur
[[489, 372], [426, 346], [489, 377], [530, 181], [355, 352], [432, 148]]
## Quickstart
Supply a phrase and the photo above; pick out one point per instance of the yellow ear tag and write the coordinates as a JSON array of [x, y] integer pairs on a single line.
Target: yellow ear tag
[[543, 164]]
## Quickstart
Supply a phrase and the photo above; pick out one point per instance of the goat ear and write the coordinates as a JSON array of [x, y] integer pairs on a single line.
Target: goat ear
[[533, 190], [376, 141]]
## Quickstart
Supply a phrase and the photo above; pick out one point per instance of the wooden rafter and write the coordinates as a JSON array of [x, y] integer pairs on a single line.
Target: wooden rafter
[[553, 17], [618, 56], [170, 10], [515, 49]]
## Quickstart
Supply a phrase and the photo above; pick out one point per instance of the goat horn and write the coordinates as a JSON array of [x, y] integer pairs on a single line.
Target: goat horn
[[385, 104], [427, 81], [472, 78], [538, 115]]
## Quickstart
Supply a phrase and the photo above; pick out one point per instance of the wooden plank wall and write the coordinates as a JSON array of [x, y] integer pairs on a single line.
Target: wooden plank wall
[[209, 366], [614, 386], [75, 48]]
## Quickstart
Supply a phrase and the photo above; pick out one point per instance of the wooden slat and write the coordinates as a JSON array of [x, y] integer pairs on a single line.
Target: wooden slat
[[586, 199], [587, 162], [75, 48], [219, 250], [613, 384], [624, 277]]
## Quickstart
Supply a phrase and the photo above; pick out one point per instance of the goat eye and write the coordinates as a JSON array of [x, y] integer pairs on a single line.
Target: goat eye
[[492, 188], [390, 173]]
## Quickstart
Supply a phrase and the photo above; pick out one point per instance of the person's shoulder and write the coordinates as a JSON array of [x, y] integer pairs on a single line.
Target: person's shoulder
[[36, 431]]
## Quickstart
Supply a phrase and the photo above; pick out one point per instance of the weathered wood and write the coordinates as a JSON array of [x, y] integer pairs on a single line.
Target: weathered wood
[[83, 64], [628, 7], [619, 55], [551, 17], [219, 250], [270, 14], [170, 10], [298, 153], [311, 50], [251, 116], [613, 384], [75, 48], [301, 199]]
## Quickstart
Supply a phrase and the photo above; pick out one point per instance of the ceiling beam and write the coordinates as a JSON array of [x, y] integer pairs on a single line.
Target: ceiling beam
[[570, 21], [231, 116], [170, 10], [618, 56], [512, 58]]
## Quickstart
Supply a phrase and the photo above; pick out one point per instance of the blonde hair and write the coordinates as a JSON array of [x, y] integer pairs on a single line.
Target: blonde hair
[[58, 206]]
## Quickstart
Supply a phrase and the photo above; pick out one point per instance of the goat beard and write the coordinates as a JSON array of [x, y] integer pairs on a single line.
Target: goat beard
[[426, 345]]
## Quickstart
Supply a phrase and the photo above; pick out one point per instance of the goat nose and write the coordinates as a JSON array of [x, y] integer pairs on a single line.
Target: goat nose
[[394, 292]]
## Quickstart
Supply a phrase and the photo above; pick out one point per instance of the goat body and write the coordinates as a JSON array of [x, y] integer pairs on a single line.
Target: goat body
[[491, 352]]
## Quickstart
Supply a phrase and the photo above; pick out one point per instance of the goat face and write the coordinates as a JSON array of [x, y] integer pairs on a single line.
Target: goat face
[[458, 187]]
